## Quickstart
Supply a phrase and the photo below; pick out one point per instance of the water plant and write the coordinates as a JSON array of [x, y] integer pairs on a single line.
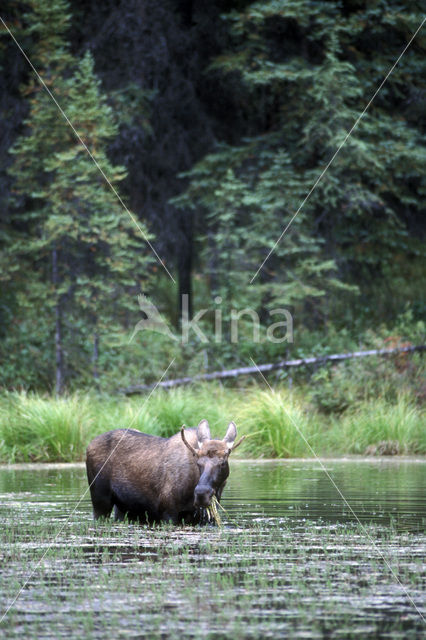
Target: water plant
[[265, 580], [259, 575]]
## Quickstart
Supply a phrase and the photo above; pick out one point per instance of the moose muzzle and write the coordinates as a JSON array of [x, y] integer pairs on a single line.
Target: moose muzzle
[[203, 495]]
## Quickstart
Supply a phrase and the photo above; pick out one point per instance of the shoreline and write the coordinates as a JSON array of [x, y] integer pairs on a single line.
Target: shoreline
[[33, 466]]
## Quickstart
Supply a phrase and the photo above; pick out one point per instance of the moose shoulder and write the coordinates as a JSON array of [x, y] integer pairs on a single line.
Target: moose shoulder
[[153, 479]]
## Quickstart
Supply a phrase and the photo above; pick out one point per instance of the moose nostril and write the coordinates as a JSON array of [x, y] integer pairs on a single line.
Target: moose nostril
[[203, 495]]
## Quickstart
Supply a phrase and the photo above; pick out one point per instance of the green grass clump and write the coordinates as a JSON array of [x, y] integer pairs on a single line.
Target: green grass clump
[[274, 421], [277, 422], [373, 422], [164, 412], [188, 405], [35, 428]]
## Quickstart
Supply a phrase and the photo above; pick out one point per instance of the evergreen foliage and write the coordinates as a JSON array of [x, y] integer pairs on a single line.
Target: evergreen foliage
[[213, 122], [84, 251], [304, 72]]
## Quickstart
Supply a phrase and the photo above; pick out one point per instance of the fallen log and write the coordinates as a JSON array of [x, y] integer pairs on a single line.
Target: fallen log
[[232, 373]]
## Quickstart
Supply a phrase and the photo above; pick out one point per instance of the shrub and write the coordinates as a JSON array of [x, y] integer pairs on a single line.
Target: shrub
[[335, 388]]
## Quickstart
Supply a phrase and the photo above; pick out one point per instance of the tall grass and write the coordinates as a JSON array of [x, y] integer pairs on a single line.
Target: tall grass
[[42, 428], [373, 422], [275, 421], [34, 428]]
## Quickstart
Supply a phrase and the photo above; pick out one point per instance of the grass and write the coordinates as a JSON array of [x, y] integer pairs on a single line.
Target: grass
[[266, 580], [400, 422], [272, 419], [42, 428], [36, 428]]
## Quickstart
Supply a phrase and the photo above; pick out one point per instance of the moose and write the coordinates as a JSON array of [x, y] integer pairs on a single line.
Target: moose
[[152, 479]]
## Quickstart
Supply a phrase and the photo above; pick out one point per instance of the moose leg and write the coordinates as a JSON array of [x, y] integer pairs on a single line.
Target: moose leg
[[101, 509], [100, 492], [102, 503], [169, 518], [118, 514]]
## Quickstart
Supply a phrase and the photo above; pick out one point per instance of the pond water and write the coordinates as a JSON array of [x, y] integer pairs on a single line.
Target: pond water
[[293, 559], [381, 491]]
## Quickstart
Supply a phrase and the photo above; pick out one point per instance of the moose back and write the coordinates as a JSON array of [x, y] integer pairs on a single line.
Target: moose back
[[153, 479]]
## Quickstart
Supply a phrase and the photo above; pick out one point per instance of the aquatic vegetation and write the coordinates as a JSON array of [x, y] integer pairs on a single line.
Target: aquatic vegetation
[[256, 576]]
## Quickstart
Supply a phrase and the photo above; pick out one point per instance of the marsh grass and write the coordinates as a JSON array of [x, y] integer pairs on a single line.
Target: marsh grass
[[257, 576], [400, 422], [269, 579], [43, 428], [38, 429], [273, 420]]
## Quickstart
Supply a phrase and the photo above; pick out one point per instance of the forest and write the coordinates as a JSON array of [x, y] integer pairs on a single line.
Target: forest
[[169, 156], [230, 195]]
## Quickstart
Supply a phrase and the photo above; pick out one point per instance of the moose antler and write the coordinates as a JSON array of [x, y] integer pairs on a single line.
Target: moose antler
[[185, 441], [238, 443]]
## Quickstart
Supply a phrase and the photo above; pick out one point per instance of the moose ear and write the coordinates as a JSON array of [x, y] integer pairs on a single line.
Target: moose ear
[[231, 434], [203, 432]]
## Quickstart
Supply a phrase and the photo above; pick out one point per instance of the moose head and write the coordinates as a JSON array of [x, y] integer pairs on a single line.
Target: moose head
[[211, 457]]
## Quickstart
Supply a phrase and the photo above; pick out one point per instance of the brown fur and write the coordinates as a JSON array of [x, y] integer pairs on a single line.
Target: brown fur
[[153, 479]]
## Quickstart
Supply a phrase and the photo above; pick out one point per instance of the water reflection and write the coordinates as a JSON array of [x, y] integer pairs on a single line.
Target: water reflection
[[286, 565], [381, 491]]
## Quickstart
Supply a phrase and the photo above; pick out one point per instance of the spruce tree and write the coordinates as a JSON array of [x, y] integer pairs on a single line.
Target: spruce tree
[[303, 72], [87, 256]]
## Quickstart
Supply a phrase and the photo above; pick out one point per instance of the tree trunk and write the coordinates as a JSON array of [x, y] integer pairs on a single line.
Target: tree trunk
[[95, 356], [185, 256], [213, 264], [59, 360]]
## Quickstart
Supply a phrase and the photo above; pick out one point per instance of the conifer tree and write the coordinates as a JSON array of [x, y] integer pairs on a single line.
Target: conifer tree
[[87, 256], [303, 73]]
